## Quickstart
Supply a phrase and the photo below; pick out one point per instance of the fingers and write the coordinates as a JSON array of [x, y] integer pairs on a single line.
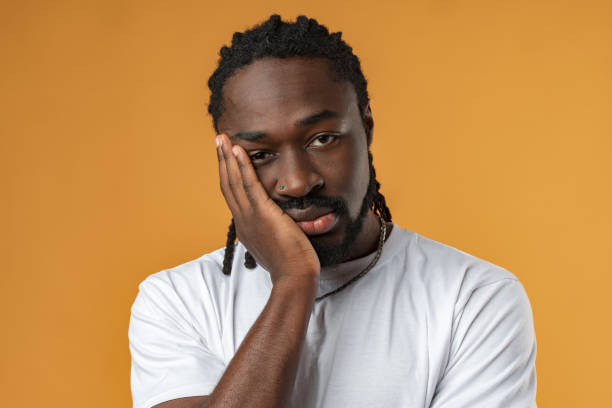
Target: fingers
[[233, 180], [239, 182], [252, 185], [224, 180]]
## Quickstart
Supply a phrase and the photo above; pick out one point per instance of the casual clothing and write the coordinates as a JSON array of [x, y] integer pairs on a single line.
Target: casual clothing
[[428, 326]]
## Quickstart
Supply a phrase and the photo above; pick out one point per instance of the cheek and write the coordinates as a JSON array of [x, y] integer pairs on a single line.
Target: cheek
[[360, 181], [360, 177], [347, 175], [267, 177]]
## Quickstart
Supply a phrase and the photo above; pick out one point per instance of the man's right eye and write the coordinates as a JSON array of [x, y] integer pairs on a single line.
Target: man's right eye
[[259, 156]]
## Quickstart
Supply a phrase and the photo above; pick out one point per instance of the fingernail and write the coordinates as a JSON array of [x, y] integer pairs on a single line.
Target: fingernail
[[217, 141], [235, 151]]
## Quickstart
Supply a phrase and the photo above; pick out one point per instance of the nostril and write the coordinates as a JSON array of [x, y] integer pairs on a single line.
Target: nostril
[[299, 186], [297, 177]]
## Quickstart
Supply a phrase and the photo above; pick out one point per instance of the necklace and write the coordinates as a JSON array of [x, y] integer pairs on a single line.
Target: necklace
[[381, 241]]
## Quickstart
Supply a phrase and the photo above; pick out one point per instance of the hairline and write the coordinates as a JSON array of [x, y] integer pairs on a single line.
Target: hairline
[[333, 76]]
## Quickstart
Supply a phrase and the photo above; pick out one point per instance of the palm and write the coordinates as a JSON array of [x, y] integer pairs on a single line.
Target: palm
[[270, 235]]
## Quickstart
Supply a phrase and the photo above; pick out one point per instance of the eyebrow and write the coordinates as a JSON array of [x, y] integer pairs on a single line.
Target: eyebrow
[[306, 121], [251, 136]]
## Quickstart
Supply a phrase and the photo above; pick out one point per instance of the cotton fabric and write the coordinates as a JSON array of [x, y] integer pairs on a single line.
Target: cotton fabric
[[428, 326]]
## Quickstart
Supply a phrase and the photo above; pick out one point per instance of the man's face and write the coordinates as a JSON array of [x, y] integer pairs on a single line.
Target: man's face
[[307, 142]]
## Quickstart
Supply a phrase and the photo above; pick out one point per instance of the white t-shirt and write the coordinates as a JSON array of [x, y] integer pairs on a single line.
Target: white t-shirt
[[428, 326]]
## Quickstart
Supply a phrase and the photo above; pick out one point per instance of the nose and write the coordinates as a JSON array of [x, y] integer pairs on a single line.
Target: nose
[[297, 176]]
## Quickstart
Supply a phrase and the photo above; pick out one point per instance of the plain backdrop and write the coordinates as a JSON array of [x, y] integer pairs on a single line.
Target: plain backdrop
[[492, 134]]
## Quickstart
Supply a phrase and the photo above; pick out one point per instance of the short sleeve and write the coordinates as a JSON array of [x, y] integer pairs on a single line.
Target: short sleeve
[[169, 358], [493, 350]]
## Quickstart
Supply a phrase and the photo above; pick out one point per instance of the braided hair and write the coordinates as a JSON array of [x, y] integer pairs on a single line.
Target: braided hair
[[279, 39]]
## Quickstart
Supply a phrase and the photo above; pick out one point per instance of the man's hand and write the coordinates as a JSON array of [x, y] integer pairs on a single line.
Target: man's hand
[[274, 239], [262, 372]]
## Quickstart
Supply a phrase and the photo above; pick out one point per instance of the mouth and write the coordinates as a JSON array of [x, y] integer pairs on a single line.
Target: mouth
[[319, 225]]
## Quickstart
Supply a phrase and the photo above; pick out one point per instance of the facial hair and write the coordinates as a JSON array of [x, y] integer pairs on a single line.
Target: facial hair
[[332, 254]]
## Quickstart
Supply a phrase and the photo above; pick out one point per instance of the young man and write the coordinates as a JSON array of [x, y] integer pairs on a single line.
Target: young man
[[323, 302]]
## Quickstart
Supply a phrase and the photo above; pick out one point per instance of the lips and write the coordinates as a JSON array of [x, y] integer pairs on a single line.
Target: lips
[[319, 225], [307, 214], [313, 220]]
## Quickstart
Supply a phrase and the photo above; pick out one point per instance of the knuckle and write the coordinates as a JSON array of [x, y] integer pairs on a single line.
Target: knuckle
[[247, 185], [255, 207]]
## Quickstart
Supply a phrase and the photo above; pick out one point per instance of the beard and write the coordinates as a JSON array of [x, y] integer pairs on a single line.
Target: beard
[[332, 254]]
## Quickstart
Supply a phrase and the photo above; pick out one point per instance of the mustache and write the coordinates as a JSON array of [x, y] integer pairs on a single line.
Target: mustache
[[336, 204]]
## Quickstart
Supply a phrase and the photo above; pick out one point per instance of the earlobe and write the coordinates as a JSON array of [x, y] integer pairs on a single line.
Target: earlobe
[[368, 122]]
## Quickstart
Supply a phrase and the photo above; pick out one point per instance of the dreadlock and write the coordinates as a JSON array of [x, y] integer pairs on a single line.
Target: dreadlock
[[279, 39]]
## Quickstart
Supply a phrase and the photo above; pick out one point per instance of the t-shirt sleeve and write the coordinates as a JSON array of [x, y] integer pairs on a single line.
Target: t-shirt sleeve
[[170, 359], [493, 350]]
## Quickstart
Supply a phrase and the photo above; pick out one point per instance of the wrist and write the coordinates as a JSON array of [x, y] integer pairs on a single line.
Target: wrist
[[301, 286]]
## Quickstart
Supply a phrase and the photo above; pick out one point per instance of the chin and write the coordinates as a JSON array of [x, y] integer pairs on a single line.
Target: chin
[[335, 246], [325, 240], [331, 254]]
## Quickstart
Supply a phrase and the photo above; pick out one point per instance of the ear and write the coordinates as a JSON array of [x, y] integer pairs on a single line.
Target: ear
[[368, 123]]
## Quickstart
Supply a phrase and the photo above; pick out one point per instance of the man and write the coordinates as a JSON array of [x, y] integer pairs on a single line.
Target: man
[[323, 302]]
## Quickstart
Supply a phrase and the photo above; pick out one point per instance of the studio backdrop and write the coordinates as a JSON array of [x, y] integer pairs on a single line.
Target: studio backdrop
[[492, 134]]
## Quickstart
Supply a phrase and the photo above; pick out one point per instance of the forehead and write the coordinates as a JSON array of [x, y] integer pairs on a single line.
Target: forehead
[[271, 92]]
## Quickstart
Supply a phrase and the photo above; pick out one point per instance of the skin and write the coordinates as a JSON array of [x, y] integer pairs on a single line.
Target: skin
[[270, 96], [326, 156]]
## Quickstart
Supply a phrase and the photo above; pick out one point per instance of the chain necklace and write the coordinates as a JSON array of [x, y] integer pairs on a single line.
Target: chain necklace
[[381, 241]]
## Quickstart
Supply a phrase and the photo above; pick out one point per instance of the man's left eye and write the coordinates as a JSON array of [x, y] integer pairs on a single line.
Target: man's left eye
[[322, 140]]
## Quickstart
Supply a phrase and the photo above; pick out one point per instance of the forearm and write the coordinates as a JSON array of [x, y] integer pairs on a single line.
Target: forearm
[[262, 372]]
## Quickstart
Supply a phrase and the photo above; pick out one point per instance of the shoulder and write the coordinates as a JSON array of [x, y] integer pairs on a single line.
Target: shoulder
[[175, 319], [479, 324], [207, 268], [200, 285], [444, 271], [180, 286]]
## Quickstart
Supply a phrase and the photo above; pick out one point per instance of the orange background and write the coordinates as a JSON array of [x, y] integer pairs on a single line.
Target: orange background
[[492, 134]]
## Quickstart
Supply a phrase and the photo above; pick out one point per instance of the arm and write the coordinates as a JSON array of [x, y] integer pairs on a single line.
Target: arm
[[492, 354], [262, 372]]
